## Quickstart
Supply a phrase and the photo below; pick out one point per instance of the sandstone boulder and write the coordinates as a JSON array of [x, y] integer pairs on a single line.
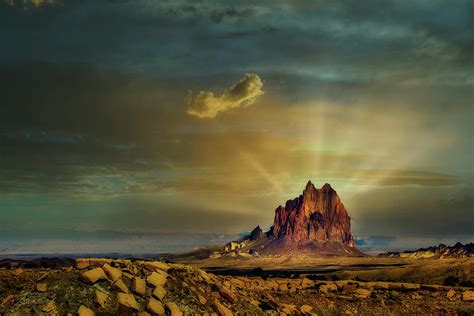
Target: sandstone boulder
[[93, 275], [328, 287], [8, 299], [156, 265], [84, 311], [288, 309], [468, 296], [157, 278], [120, 286], [221, 309], [227, 294], [41, 287], [363, 293], [305, 309], [159, 292], [112, 273], [50, 307], [155, 307], [173, 309], [201, 299], [101, 298], [82, 263], [127, 301], [139, 286], [451, 293]]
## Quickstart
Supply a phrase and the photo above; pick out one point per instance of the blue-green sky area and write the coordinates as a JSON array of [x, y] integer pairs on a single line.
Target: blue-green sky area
[[151, 117]]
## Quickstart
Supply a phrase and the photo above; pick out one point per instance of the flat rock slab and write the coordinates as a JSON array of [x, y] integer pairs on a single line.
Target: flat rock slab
[[94, 275], [127, 301]]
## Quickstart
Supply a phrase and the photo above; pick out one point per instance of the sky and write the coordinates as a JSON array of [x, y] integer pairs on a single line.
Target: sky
[[153, 117]]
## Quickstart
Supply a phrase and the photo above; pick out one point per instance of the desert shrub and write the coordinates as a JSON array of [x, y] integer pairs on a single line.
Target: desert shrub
[[467, 284], [258, 272], [451, 280]]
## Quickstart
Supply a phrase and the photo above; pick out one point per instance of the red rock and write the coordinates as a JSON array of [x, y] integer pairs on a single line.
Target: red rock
[[317, 215], [316, 221]]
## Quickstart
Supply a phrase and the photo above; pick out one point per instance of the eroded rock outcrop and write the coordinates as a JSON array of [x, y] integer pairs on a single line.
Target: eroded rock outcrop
[[316, 216]]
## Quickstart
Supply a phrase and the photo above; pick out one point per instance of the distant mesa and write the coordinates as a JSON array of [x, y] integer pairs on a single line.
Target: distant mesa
[[316, 222], [441, 251]]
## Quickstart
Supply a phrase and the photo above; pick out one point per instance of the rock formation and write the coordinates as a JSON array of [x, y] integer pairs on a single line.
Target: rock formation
[[316, 216], [316, 222], [256, 233]]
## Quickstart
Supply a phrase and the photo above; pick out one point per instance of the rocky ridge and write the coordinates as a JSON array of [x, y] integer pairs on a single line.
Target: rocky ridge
[[441, 251]]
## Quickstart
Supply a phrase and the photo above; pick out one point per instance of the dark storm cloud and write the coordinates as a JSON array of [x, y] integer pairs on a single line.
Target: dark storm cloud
[[414, 212]]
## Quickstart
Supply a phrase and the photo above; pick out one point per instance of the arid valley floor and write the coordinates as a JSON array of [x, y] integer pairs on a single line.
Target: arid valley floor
[[320, 286]]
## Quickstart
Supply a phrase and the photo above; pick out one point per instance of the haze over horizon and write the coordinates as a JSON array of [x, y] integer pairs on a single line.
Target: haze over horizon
[[139, 117]]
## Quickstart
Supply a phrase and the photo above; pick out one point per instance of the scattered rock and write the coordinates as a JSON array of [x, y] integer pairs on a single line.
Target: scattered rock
[[127, 301], [112, 273], [8, 299], [468, 296], [283, 287], [84, 311], [349, 288], [227, 294], [154, 306], [93, 275], [156, 265], [157, 279], [221, 309], [363, 293], [43, 276], [202, 299], [82, 263], [139, 286], [306, 283], [416, 296], [50, 308], [17, 272], [451, 293], [173, 309], [289, 309], [328, 287], [101, 298], [121, 286], [159, 292], [41, 287], [306, 309]]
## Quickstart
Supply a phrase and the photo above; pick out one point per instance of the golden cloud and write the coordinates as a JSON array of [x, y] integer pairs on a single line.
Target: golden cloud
[[242, 94]]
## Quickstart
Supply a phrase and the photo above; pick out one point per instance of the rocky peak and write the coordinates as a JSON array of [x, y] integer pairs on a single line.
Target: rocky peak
[[318, 215], [256, 233]]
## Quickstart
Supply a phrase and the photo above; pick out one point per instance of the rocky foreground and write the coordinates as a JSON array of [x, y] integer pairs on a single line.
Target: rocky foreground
[[126, 287]]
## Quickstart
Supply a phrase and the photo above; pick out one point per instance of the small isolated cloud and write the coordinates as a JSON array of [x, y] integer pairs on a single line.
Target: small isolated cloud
[[242, 94]]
